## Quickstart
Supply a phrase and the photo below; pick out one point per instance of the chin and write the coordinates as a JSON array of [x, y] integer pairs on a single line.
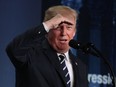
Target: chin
[[63, 50]]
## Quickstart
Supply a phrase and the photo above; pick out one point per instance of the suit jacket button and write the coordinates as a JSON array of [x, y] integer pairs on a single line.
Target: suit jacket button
[[39, 32], [76, 63]]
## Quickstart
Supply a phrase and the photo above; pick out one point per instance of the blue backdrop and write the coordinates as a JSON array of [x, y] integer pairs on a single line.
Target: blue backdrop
[[15, 17]]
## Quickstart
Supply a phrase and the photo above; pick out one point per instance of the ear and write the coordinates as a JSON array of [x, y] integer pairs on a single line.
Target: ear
[[74, 34]]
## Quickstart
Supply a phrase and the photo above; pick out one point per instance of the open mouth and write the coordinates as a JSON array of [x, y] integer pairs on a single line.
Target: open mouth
[[63, 40]]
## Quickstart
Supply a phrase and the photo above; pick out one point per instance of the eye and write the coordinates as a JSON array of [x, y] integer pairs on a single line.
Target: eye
[[69, 27]]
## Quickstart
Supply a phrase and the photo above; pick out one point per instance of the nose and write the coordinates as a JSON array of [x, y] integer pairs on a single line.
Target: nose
[[63, 30]]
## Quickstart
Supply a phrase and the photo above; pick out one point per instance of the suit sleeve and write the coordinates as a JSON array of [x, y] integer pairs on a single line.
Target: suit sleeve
[[17, 50]]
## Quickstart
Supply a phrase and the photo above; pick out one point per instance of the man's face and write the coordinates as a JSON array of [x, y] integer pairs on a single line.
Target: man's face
[[59, 37]]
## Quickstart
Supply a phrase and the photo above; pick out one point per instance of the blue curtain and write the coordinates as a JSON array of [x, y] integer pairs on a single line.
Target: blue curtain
[[15, 17]]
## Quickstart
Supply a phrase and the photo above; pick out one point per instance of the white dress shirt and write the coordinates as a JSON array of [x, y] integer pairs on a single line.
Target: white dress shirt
[[69, 67]]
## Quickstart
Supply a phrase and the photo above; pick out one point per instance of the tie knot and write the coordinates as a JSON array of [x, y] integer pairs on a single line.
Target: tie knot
[[62, 56]]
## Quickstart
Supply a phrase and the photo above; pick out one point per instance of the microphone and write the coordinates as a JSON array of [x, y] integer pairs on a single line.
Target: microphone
[[84, 48], [87, 49], [74, 44]]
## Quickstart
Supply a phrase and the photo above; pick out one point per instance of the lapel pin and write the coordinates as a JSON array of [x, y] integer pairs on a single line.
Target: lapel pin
[[39, 32], [76, 63]]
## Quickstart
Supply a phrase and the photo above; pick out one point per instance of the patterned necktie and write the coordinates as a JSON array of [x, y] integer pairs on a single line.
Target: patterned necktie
[[65, 70]]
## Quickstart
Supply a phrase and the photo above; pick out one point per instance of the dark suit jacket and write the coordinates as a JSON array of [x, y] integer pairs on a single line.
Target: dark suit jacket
[[37, 64]]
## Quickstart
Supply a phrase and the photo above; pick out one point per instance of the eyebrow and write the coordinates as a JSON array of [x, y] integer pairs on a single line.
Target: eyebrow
[[66, 23]]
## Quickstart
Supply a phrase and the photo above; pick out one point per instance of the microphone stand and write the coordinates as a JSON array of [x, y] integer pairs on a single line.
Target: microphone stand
[[99, 54]]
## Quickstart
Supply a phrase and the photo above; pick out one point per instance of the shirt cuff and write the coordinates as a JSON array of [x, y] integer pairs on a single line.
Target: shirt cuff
[[46, 28]]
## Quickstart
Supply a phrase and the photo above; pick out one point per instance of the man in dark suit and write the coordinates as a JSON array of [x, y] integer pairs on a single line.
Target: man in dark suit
[[35, 53]]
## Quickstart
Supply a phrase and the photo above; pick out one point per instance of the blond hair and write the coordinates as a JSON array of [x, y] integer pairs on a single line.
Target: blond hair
[[63, 10]]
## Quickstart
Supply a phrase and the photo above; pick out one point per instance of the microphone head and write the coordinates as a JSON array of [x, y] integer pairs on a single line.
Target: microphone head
[[74, 44]]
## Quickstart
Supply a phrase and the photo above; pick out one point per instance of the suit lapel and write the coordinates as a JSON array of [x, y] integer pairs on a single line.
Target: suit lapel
[[53, 58], [75, 70]]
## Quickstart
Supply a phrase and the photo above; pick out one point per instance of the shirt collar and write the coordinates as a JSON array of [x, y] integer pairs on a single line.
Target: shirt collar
[[66, 54]]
